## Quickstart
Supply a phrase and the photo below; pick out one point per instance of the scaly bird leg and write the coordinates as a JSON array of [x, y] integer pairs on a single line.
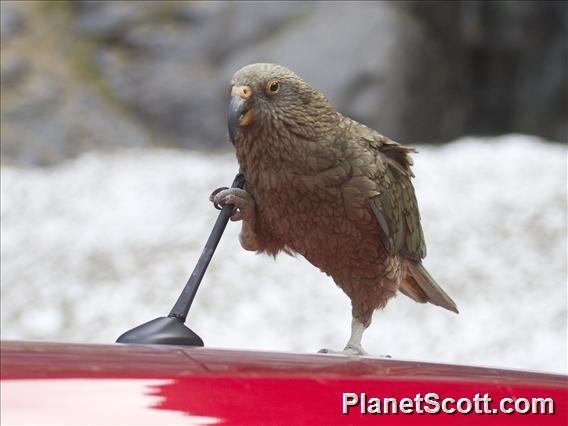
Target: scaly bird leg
[[353, 346], [245, 211]]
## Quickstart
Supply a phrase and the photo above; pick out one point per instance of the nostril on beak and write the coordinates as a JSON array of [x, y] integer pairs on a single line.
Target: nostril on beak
[[244, 92]]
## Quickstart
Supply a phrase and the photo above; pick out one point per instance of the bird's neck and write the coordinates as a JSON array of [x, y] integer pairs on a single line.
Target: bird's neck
[[284, 146]]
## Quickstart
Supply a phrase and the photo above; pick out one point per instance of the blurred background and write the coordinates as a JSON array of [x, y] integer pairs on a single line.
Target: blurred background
[[113, 134]]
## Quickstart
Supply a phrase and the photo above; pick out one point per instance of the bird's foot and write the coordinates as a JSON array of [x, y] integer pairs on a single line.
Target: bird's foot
[[350, 350], [242, 200], [245, 210]]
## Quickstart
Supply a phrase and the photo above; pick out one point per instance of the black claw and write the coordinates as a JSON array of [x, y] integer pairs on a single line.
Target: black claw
[[212, 197]]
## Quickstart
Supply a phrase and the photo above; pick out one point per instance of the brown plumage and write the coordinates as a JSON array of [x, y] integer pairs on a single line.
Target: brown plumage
[[329, 188]]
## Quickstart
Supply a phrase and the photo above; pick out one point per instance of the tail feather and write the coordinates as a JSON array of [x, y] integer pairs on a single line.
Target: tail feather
[[421, 287], [409, 287]]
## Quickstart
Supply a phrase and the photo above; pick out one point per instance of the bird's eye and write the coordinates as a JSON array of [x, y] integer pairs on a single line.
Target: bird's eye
[[273, 87]]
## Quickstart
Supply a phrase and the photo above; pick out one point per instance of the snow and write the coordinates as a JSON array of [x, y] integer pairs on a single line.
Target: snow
[[97, 245]]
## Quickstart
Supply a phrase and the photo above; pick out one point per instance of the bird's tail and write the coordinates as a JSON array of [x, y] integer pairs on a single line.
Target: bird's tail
[[420, 286]]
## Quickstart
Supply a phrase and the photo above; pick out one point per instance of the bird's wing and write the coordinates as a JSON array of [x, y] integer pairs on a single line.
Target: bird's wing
[[395, 208]]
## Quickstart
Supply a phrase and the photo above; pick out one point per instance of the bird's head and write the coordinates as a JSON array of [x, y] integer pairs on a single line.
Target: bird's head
[[272, 96]]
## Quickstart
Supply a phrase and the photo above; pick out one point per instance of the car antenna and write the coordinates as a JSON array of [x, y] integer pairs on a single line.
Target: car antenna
[[171, 330]]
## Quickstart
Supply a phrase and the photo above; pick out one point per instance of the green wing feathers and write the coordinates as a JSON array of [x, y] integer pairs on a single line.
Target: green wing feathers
[[396, 211], [400, 232]]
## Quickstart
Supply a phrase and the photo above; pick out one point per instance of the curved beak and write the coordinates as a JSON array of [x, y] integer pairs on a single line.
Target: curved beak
[[238, 115], [236, 110]]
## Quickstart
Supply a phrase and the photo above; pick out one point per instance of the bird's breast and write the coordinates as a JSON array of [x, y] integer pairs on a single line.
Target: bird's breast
[[303, 210]]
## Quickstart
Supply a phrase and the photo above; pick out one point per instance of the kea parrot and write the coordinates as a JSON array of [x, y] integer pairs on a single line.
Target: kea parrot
[[329, 188]]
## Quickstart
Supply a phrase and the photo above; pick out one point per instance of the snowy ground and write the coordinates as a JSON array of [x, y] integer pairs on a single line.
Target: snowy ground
[[100, 244]]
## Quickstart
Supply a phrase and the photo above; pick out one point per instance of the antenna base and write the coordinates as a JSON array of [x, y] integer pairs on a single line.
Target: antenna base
[[161, 331]]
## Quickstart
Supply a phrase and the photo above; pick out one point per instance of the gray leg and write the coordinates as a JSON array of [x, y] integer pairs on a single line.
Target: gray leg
[[246, 211], [353, 346]]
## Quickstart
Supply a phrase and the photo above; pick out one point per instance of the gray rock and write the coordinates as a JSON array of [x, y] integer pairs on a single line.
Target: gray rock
[[106, 20], [42, 127], [11, 20], [13, 69]]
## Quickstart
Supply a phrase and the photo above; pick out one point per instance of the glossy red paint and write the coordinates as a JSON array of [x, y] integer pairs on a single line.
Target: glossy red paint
[[103, 384]]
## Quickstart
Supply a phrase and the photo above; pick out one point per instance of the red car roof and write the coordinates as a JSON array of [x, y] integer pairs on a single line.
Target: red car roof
[[143, 384]]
